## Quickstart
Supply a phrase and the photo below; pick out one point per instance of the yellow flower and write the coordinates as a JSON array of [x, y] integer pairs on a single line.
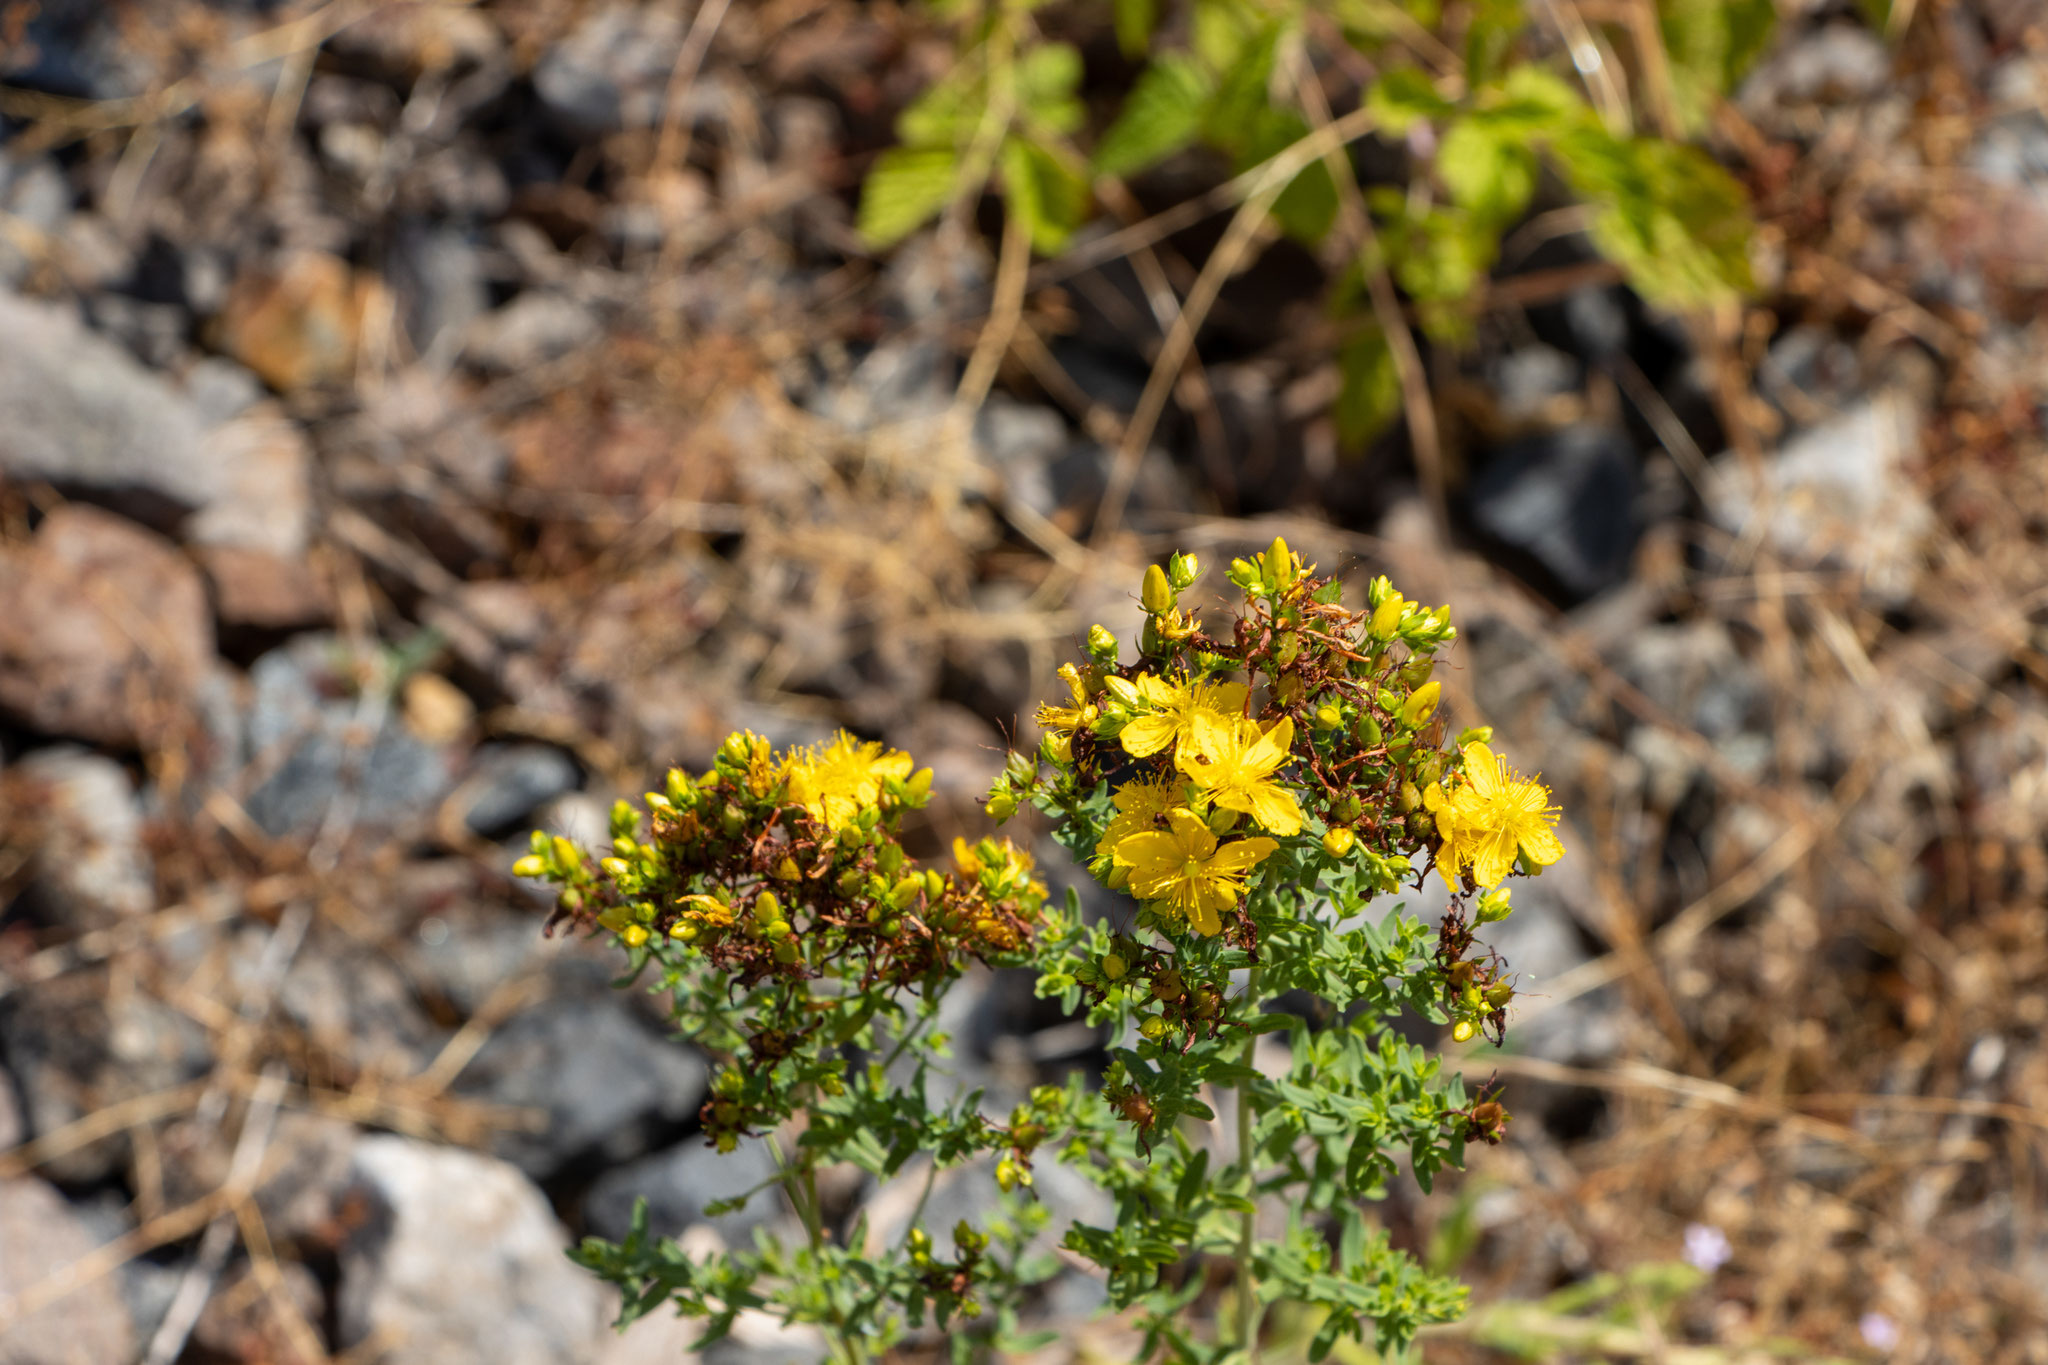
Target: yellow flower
[[1235, 764], [837, 784], [1184, 868], [1490, 815], [706, 911], [1176, 713], [1064, 720], [1139, 806]]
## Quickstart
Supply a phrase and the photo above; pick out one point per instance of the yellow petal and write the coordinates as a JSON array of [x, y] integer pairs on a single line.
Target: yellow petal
[[1147, 735], [1273, 807], [1543, 847], [1241, 855], [1494, 859], [1201, 913], [1483, 771], [1193, 836]]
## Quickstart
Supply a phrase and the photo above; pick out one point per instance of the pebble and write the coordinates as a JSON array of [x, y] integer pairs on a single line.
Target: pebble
[[459, 1262], [1566, 500], [39, 1237]]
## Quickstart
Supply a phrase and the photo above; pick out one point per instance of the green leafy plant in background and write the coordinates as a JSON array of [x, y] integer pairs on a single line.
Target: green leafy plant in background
[[1480, 93], [1252, 781]]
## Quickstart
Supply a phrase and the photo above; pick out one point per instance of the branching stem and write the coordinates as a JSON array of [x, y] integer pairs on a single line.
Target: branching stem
[[1247, 1288]]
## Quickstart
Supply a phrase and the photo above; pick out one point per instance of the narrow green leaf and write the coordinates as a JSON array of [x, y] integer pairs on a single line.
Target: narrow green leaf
[[1368, 396]]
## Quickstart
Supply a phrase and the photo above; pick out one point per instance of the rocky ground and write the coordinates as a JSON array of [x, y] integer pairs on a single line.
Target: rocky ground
[[419, 422]]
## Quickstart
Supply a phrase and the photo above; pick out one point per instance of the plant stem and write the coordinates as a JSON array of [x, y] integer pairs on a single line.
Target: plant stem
[[800, 1183], [1247, 1289]]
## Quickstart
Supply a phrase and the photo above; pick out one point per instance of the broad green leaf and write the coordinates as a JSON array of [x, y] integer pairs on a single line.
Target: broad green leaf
[[1221, 29], [906, 188], [1049, 195], [1241, 97], [1487, 170], [1135, 20], [1488, 35], [1369, 23], [1308, 206], [1404, 95], [1669, 215], [1161, 115], [1711, 47], [1047, 77], [1369, 393], [946, 114]]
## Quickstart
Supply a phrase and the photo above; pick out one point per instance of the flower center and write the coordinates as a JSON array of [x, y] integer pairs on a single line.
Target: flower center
[[1191, 869]]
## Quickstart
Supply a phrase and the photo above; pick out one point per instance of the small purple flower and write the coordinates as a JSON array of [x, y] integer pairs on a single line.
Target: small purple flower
[[1706, 1247], [1880, 1333]]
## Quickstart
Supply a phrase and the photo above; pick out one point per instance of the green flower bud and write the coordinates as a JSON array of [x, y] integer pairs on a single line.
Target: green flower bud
[[1367, 730], [1243, 576], [1182, 571], [616, 868], [1222, 820], [934, 883], [625, 847], [1102, 646], [1156, 594], [1417, 670], [767, 908], [1475, 734], [624, 818], [1001, 806], [1280, 565], [567, 859], [1327, 717]]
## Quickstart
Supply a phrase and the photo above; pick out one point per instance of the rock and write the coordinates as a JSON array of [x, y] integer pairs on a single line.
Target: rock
[[660, 1338], [612, 71], [305, 1170], [78, 411], [13, 1132], [74, 48], [109, 629], [1837, 63], [531, 330], [441, 286], [264, 496], [296, 322], [304, 730], [1838, 494], [1598, 319], [436, 710], [1527, 382], [221, 390], [679, 1184], [74, 1049], [92, 870], [459, 1262], [507, 783], [1565, 501], [1696, 675], [611, 1087], [40, 1236], [1020, 442], [242, 1322], [259, 589], [354, 1003]]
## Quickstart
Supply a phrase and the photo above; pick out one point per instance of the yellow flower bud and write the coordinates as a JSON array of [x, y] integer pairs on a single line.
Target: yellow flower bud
[[1327, 717], [1339, 841], [767, 908], [1001, 806], [1279, 563], [615, 868], [1102, 642], [1422, 705], [532, 865], [633, 936], [1386, 618], [683, 932], [566, 856], [1156, 594], [1464, 1031]]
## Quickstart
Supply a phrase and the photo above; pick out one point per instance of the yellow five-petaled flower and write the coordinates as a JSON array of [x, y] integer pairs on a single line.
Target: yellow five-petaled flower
[[1235, 763], [1183, 868], [837, 783], [1488, 816], [1182, 714], [1140, 804]]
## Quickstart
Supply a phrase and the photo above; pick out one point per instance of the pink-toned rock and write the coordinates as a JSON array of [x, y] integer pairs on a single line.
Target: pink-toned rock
[[254, 587], [107, 630], [40, 1236]]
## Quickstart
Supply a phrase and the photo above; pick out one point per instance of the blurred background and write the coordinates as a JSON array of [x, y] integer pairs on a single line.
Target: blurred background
[[421, 422]]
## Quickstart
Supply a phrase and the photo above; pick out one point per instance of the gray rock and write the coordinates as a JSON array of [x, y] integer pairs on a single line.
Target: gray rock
[[507, 783], [1838, 63], [441, 281], [80, 412], [304, 731], [610, 1086], [679, 1184], [92, 869], [13, 1132], [1525, 381], [221, 390], [1598, 318], [1695, 674], [1838, 494], [146, 1287], [459, 1262], [1566, 499], [612, 71], [531, 330], [40, 1236]]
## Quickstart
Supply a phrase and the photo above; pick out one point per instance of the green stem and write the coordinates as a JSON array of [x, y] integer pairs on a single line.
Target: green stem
[[800, 1183], [1247, 1289]]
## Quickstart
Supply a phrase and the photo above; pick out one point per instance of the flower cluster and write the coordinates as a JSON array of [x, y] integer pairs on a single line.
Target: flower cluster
[[1301, 737], [773, 871]]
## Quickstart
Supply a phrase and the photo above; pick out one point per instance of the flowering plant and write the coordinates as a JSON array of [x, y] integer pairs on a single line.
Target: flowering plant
[[1251, 785]]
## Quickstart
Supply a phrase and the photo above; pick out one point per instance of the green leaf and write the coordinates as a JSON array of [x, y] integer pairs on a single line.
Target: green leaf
[[1403, 96], [1487, 170], [906, 188], [1221, 29], [1135, 20], [1667, 214], [1048, 194], [1308, 206], [946, 114], [1369, 395], [1047, 77], [1241, 97], [1711, 47], [1162, 114]]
